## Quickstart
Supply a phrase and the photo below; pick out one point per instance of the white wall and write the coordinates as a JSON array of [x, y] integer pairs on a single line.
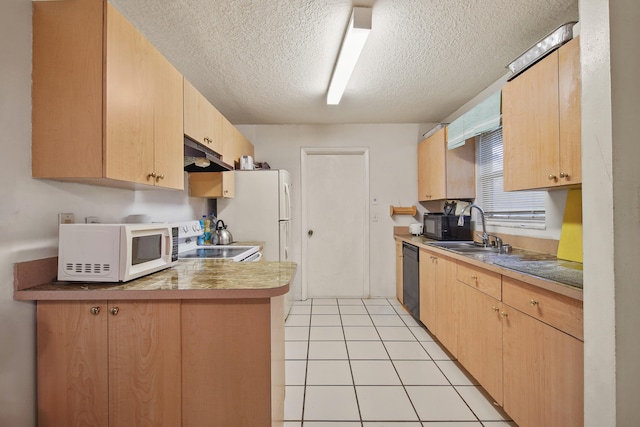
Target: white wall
[[393, 180], [611, 213], [29, 208]]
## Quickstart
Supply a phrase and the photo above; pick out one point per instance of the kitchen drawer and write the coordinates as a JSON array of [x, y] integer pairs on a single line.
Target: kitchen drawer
[[559, 311], [483, 280]]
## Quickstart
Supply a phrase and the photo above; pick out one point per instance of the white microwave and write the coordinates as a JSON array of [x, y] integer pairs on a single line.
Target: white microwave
[[115, 252]]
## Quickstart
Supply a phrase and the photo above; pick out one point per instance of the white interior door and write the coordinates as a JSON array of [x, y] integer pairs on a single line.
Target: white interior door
[[335, 227]]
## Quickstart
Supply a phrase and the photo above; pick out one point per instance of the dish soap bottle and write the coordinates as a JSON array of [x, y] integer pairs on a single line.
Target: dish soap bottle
[[207, 230]]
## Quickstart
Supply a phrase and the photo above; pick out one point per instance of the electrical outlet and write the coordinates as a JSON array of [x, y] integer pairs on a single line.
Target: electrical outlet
[[91, 220], [66, 218]]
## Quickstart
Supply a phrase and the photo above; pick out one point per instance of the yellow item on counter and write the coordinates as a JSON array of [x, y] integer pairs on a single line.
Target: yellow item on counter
[[570, 246]]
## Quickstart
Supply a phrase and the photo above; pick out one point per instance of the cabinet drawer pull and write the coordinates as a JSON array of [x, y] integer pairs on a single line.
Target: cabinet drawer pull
[[474, 277], [533, 303], [95, 310], [114, 310]]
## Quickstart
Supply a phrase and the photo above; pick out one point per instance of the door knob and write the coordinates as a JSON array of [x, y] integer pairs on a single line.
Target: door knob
[[310, 233]]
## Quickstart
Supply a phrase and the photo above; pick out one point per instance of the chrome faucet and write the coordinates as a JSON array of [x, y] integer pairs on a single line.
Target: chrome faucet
[[485, 236]]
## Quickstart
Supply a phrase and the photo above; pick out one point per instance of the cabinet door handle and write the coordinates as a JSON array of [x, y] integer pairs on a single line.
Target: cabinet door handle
[[564, 175], [551, 177], [95, 310], [159, 177], [503, 314], [474, 277], [533, 303], [495, 309], [151, 175], [114, 311]]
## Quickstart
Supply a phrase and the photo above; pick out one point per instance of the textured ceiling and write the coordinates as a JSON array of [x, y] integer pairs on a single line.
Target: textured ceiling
[[270, 61]]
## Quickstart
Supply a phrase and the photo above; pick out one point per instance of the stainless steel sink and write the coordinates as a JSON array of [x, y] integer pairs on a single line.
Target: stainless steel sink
[[464, 247], [475, 249], [453, 244]]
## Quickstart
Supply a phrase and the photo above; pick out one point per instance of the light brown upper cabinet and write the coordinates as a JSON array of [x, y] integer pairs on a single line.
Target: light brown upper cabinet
[[202, 122], [212, 185], [445, 174], [107, 106], [235, 144], [541, 123]]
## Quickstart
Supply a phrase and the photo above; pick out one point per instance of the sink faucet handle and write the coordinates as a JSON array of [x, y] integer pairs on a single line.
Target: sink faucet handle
[[497, 242]]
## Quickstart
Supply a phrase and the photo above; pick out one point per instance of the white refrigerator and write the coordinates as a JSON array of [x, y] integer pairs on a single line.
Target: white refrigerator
[[260, 211]]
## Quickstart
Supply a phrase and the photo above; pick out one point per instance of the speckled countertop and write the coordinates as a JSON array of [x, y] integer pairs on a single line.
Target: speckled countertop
[[190, 279], [544, 270]]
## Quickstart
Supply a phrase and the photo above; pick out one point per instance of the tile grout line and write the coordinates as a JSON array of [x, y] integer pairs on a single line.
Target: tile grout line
[[396, 370]]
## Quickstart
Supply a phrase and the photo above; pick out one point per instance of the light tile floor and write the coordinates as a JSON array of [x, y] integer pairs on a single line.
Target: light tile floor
[[368, 363]]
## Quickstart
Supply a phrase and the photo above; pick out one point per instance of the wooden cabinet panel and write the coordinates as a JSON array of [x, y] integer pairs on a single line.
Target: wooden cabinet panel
[[67, 90], [223, 338], [569, 90], [543, 373], [445, 173], [202, 121], [235, 145], [438, 298], [212, 185], [485, 281], [531, 126], [447, 304], [144, 363], [72, 364], [480, 339], [541, 123], [556, 310], [128, 100], [399, 289], [168, 124], [428, 277]]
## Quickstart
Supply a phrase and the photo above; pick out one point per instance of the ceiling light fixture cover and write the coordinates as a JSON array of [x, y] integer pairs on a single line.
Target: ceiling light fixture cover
[[352, 44]]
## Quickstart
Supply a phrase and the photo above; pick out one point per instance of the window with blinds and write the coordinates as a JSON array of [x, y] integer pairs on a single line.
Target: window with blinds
[[503, 207]]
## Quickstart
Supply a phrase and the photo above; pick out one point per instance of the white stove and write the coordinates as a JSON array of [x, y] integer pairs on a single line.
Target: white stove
[[188, 232]]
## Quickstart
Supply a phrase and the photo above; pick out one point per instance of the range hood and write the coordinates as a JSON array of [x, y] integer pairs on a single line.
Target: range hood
[[198, 158]]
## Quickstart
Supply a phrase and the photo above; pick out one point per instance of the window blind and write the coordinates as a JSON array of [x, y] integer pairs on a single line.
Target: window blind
[[521, 206], [482, 118]]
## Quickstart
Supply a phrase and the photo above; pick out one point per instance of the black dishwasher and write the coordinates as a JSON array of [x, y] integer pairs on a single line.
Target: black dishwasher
[[411, 278]]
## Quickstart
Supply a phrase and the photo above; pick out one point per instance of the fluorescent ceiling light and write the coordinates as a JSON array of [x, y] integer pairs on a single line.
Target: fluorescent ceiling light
[[354, 40]]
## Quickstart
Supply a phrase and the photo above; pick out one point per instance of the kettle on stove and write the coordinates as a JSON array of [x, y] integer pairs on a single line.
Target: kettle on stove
[[224, 235]]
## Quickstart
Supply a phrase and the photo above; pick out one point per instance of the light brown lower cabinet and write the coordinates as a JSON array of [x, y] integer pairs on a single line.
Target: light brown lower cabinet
[[480, 339], [233, 354], [438, 298], [543, 373], [528, 358], [109, 363], [428, 279], [161, 363], [447, 303]]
